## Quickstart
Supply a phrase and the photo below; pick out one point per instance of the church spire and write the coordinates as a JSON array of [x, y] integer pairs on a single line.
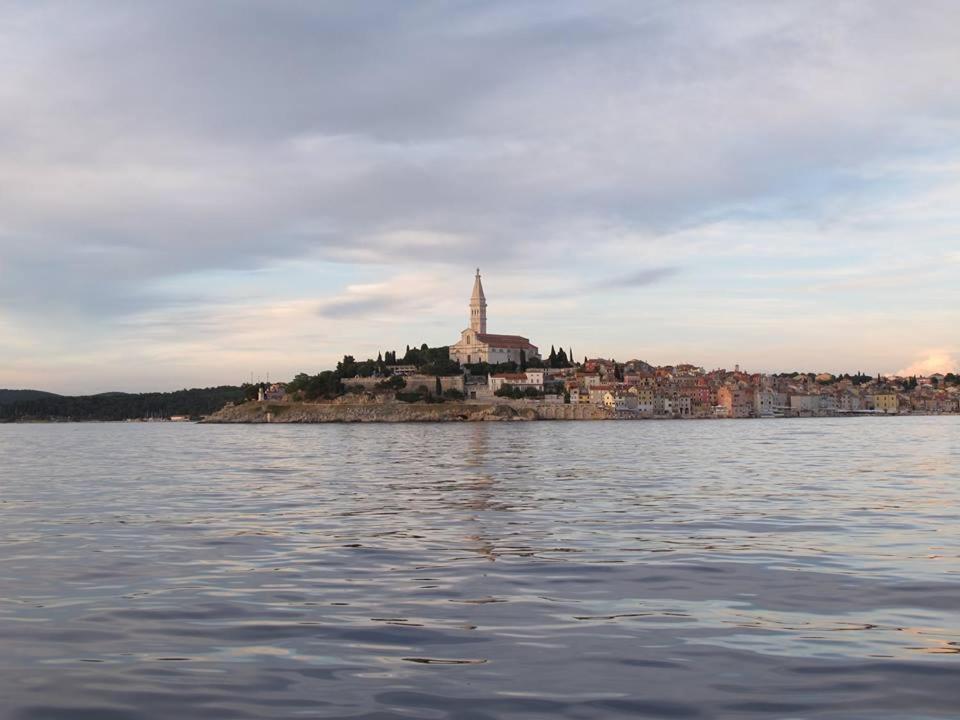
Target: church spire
[[478, 307]]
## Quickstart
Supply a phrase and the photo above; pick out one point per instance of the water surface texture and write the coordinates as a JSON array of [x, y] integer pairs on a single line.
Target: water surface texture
[[716, 569]]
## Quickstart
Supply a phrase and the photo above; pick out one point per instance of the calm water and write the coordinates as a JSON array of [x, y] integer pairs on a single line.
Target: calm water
[[730, 569]]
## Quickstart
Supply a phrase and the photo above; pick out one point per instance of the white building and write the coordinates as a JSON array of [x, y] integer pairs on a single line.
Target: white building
[[530, 379], [477, 345], [804, 404], [764, 402]]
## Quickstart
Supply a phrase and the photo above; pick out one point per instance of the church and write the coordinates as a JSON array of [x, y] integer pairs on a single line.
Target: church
[[477, 345]]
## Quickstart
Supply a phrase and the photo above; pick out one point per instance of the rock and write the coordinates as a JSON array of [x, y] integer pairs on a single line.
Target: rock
[[366, 411]]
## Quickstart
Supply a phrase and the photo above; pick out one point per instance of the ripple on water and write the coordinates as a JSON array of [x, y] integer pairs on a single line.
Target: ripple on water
[[581, 570]]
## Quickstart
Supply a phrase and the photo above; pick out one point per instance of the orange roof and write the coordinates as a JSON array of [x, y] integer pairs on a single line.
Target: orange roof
[[506, 341]]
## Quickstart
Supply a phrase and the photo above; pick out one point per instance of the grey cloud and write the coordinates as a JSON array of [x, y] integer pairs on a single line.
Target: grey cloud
[[349, 308], [637, 278], [631, 280], [368, 303], [181, 136]]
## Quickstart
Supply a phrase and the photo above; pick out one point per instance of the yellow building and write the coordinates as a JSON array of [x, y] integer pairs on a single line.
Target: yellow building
[[886, 403]]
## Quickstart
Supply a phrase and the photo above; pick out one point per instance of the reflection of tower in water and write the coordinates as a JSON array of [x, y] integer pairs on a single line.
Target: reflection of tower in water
[[480, 492]]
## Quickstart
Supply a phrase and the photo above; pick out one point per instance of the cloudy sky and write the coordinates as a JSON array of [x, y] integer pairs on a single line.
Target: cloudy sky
[[194, 191]]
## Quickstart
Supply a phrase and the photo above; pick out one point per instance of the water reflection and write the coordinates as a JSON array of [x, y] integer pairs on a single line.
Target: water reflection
[[707, 570]]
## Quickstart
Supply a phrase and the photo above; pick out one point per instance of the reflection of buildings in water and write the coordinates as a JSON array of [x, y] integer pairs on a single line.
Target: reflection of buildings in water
[[933, 641], [478, 447], [479, 494]]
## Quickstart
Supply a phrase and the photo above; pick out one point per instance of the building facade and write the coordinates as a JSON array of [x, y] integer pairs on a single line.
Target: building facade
[[476, 345]]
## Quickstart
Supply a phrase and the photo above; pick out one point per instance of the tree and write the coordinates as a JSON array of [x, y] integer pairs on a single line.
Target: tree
[[366, 369], [313, 387], [439, 387], [394, 382], [552, 359], [122, 406], [562, 359], [347, 367], [523, 361]]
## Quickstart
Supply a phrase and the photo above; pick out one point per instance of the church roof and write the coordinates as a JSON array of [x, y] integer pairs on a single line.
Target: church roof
[[504, 341]]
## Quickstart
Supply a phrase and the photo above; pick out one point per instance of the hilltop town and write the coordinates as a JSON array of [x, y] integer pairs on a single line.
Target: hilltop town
[[508, 373]]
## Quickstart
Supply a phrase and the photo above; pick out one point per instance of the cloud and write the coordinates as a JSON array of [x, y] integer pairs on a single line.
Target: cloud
[[637, 278], [401, 295], [329, 129], [931, 362], [611, 283]]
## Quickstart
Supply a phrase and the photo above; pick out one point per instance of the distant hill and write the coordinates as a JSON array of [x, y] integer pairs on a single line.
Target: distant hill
[[38, 405], [12, 396]]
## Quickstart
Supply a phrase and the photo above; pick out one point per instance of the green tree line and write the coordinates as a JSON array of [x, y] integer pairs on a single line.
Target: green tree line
[[125, 406]]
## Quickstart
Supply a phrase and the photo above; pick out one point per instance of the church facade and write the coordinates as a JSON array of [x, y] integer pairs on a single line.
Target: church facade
[[477, 345]]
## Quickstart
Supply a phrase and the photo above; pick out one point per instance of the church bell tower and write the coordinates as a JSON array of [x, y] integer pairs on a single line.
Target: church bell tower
[[478, 307]]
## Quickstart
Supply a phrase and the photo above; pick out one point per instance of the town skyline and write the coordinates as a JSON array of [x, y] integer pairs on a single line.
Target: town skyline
[[194, 193], [497, 348]]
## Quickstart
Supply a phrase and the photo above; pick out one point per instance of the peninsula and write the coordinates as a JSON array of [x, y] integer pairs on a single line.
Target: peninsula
[[494, 377], [486, 376]]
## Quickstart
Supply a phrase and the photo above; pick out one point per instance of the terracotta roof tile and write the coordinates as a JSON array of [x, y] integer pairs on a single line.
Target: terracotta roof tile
[[505, 341]]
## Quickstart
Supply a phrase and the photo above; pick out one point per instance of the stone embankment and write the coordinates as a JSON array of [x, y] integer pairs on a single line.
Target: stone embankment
[[392, 412]]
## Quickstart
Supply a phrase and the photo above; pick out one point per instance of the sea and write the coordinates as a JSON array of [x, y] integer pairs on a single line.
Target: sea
[[801, 568]]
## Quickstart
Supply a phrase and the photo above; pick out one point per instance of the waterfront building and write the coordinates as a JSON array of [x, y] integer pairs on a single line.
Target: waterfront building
[[476, 345], [764, 402], [597, 393], [804, 404], [531, 379], [886, 403], [645, 397], [736, 400], [620, 401]]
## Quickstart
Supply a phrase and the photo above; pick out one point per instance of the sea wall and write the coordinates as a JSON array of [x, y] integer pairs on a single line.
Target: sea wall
[[266, 412]]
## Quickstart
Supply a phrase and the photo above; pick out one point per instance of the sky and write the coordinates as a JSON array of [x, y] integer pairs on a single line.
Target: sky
[[192, 193]]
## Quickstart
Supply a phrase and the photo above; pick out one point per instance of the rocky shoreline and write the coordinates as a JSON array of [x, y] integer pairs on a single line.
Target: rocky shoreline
[[396, 412]]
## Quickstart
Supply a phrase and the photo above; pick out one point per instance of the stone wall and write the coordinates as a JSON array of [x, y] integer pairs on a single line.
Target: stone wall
[[345, 411], [454, 382]]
